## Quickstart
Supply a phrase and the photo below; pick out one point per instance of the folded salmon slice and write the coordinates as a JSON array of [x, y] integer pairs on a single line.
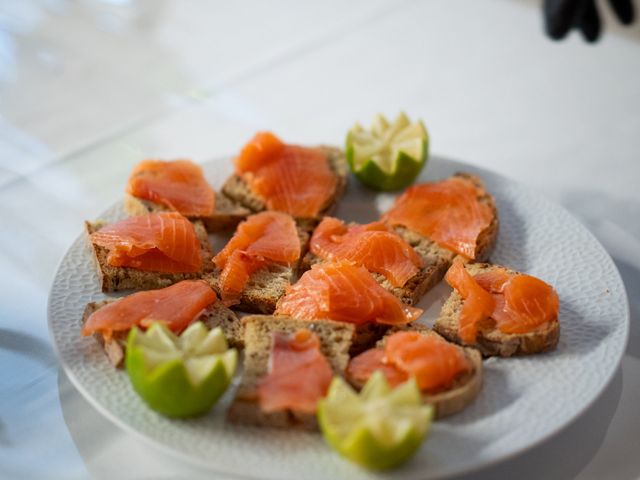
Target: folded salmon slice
[[289, 178], [179, 185], [160, 242], [344, 292], [434, 362], [447, 212], [478, 303], [299, 374], [177, 306], [362, 366], [374, 246], [520, 303], [264, 238]]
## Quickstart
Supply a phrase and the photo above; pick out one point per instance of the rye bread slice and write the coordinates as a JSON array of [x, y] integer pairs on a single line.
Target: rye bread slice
[[463, 391], [227, 213], [238, 190], [215, 315], [490, 340], [335, 341], [125, 278], [266, 285], [437, 259]]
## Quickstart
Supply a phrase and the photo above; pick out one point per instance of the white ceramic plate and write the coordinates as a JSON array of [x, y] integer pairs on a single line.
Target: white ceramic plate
[[524, 400]]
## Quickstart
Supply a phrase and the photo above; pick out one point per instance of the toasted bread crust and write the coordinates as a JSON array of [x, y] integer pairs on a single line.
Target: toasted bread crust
[[335, 341], [491, 341], [238, 190], [113, 279], [227, 213]]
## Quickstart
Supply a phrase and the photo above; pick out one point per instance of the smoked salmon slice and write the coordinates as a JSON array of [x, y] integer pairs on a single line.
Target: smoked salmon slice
[[478, 303], [299, 374], [344, 292], [434, 362], [161, 242], [289, 178], [526, 304], [179, 185], [177, 306], [447, 212], [520, 303], [264, 238], [362, 366], [373, 246]]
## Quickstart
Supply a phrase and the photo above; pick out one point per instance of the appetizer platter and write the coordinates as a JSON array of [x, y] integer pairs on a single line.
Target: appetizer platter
[[337, 312]]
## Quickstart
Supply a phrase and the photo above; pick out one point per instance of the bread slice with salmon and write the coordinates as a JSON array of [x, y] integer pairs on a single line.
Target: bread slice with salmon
[[521, 319], [179, 185], [345, 292], [254, 403], [394, 263], [150, 233], [422, 216], [260, 261], [305, 182], [460, 389], [112, 327]]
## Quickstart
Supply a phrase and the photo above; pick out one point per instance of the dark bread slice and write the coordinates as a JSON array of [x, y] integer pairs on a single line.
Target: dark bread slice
[[266, 285], [113, 278], [263, 290], [227, 213], [215, 315], [437, 259], [461, 393], [365, 336], [335, 340], [491, 341], [238, 190]]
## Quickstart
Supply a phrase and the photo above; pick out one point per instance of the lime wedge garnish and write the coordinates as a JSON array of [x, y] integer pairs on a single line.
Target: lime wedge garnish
[[379, 428], [182, 375], [388, 156]]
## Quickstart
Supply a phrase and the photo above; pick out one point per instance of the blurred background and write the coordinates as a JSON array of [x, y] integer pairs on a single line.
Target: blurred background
[[89, 87]]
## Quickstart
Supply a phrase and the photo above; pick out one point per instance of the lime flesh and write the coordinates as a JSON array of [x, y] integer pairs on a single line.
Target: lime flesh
[[180, 376], [379, 428], [388, 156]]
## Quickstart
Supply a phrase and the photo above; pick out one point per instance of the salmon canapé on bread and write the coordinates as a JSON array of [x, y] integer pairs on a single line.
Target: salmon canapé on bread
[[288, 365], [180, 186], [305, 182], [149, 251], [259, 262], [499, 311]]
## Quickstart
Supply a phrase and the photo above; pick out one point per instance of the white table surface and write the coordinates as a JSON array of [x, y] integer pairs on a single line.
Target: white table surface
[[88, 88]]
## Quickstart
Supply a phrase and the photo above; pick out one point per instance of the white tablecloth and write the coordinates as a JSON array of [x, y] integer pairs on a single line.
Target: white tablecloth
[[88, 88]]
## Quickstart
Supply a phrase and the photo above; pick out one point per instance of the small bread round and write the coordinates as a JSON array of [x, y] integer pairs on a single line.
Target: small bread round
[[463, 391], [491, 341]]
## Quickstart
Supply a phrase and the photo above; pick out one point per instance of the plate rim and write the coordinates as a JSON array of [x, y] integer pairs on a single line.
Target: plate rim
[[453, 471]]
